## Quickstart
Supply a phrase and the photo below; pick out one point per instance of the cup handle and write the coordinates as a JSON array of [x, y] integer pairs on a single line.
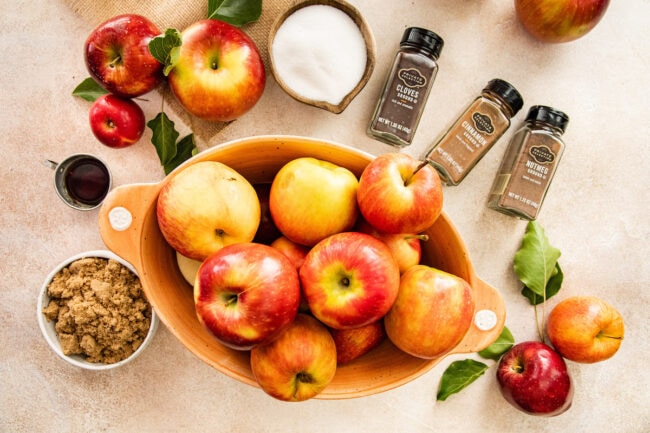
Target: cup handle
[[121, 219], [489, 319]]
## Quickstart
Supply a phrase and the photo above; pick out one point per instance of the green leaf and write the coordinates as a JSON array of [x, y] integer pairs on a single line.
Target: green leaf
[[535, 261], [235, 12], [500, 346], [185, 149], [458, 376], [552, 287], [164, 137], [89, 90], [165, 48]]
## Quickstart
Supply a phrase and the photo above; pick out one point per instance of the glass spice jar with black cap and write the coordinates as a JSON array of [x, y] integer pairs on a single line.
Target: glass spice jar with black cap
[[530, 163], [407, 87], [484, 121]]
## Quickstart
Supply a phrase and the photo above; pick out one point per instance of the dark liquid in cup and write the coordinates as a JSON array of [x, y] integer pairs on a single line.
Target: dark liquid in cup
[[87, 181]]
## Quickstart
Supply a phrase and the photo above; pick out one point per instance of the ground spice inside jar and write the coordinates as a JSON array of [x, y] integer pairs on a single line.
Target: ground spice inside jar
[[99, 309]]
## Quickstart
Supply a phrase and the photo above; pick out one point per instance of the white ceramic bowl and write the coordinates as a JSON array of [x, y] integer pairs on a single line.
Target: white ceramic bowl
[[47, 327]]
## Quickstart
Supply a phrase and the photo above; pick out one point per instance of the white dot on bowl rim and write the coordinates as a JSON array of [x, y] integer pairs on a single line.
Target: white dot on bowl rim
[[485, 320], [120, 218]]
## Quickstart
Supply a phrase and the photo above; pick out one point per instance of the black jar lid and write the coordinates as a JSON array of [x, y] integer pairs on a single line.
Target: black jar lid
[[548, 115], [423, 38], [507, 92]]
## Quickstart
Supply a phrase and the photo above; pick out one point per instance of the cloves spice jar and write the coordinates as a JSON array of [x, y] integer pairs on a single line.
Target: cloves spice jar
[[477, 129], [530, 163], [407, 87]]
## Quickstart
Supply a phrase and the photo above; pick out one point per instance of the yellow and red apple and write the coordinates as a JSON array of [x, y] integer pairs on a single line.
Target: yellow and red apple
[[585, 329], [245, 294], [399, 194], [560, 20], [405, 247], [298, 364], [432, 312], [312, 199], [218, 74], [205, 207], [349, 279]]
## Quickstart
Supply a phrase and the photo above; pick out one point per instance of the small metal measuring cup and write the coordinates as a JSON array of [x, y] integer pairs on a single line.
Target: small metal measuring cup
[[81, 180]]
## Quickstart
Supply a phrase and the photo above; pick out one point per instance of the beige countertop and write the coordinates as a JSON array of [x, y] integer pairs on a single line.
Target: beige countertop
[[596, 213]]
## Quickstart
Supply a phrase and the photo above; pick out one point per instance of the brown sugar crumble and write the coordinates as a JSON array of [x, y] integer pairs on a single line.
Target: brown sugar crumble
[[99, 310]]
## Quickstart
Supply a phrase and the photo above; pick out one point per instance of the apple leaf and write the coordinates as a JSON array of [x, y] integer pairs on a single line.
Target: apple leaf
[[458, 376], [165, 47], [89, 90], [185, 149], [552, 287], [500, 346], [535, 261], [164, 136], [235, 12]]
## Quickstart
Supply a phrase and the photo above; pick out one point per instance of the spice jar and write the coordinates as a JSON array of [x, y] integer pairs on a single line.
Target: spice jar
[[529, 164], [475, 131], [407, 87]]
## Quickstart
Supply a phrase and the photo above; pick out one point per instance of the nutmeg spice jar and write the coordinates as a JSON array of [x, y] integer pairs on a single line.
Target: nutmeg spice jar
[[530, 163]]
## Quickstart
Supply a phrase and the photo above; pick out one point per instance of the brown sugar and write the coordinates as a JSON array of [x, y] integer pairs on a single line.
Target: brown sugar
[[99, 309]]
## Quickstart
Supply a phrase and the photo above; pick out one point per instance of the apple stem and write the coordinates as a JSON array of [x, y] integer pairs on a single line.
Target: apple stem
[[420, 167], [422, 237]]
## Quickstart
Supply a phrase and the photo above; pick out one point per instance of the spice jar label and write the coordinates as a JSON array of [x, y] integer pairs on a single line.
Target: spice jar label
[[412, 77], [483, 123], [542, 154]]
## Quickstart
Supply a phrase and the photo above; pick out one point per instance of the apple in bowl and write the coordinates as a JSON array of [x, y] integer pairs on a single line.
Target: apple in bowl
[[205, 207], [245, 294]]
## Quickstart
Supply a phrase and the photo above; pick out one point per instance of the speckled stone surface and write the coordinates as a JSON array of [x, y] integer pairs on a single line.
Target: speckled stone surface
[[596, 213]]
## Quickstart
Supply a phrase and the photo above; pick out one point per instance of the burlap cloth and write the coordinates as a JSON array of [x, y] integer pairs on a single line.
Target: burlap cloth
[[180, 14]]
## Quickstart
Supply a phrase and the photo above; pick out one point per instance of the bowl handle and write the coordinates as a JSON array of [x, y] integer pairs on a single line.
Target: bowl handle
[[121, 219], [489, 319]]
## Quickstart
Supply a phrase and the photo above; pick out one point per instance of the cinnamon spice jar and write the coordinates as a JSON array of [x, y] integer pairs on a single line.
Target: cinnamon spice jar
[[475, 132]]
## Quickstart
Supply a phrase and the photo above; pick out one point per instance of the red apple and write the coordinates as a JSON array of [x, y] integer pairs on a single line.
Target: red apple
[[245, 294], [585, 329], [116, 122], [205, 207], [298, 364], [534, 379], [312, 199], [559, 20], [405, 247], [355, 342], [267, 232], [349, 280], [399, 194], [431, 314], [219, 74], [117, 56]]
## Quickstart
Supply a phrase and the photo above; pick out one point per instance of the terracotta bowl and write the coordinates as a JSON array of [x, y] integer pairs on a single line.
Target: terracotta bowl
[[368, 37], [131, 208]]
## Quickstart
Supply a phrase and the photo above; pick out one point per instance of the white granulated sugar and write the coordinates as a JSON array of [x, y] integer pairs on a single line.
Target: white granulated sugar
[[320, 53]]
